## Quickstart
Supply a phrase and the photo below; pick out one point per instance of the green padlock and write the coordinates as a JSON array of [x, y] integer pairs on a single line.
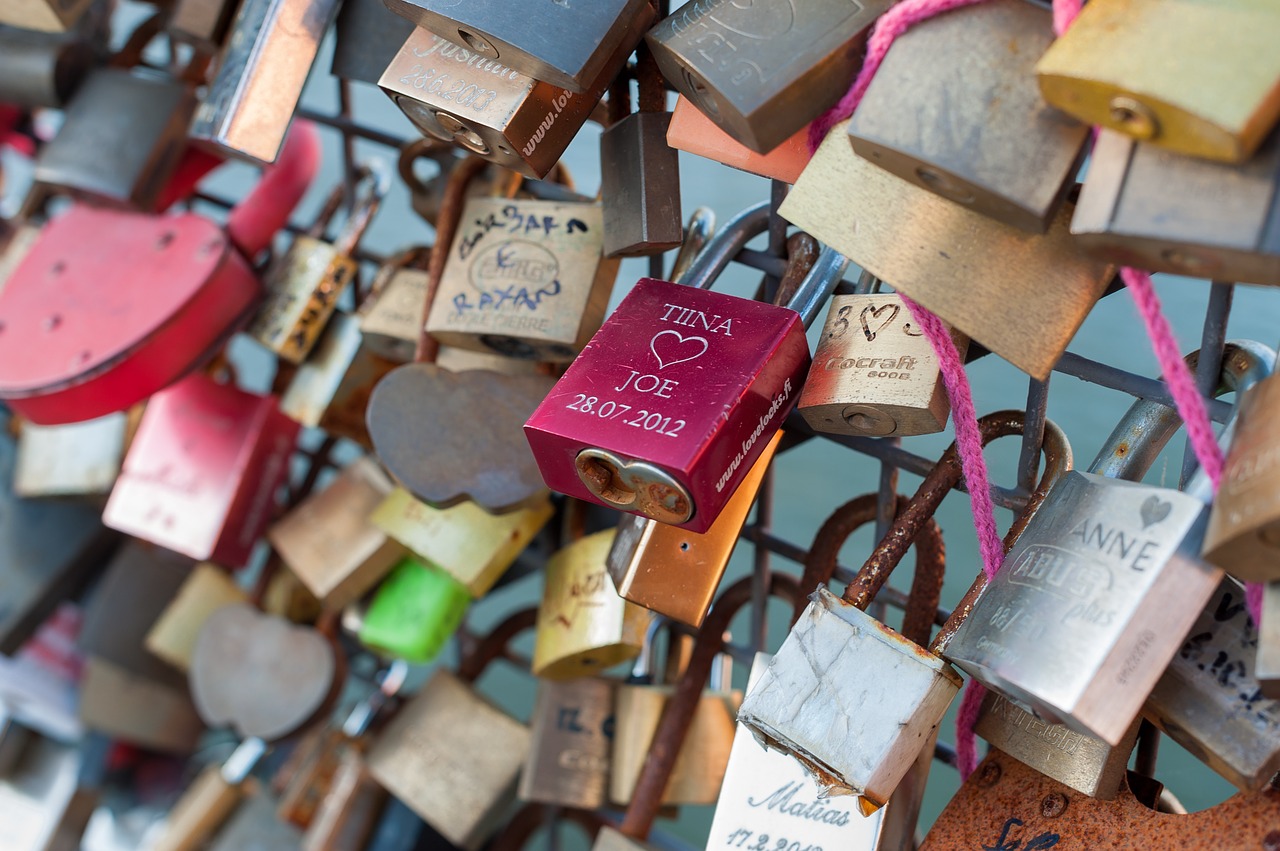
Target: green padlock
[[414, 612]]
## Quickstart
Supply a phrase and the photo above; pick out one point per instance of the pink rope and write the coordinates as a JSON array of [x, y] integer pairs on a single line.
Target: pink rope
[[966, 720]]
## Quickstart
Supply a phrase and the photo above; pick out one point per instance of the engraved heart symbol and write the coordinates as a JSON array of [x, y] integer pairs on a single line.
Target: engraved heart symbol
[[875, 316], [676, 348], [1153, 510]]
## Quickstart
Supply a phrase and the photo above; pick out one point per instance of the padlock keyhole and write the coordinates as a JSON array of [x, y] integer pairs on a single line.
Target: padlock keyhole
[[606, 482]]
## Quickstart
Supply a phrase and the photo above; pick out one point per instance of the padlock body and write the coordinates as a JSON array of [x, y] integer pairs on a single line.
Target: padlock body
[[302, 292], [1209, 699], [572, 738], [76, 458], [689, 381], [483, 105], [41, 69], [524, 279], [765, 70], [943, 256], [570, 47], [839, 671], [1091, 604], [640, 185], [201, 475], [874, 373], [123, 136], [414, 612], [465, 541], [1267, 663], [172, 285], [390, 319], [367, 37], [453, 758], [954, 108], [249, 105], [692, 132], [1217, 103], [43, 15]]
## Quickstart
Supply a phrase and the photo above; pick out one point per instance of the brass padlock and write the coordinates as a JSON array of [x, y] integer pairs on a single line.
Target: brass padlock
[[172, 637], [329, 542], [583, 625], [592, 41], [73, 458], [465, 541], [462, 360], [303, 288], [764, 70], [1021, 296], [573, 732], [391, 315], [524, 278], [874, 373], [457, 95], [673, 571], [270, 50], [954, 108], [692, 132], [366, 37], [42, 69], [1164, 212], [1217, 103], [43, 15]]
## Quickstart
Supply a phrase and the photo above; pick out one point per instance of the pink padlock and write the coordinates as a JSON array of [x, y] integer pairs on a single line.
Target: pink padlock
[[202, 472], [667, 408], [110, 306]]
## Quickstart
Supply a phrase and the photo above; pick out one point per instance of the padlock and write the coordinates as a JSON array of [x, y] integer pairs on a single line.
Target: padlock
[[414, 612], [175, 287], [639, 171], [617, 429], [303, 288], [201, 475], [201, 23], [35, 796], [463, 360], [172, 638], [954, 108], [874, 373], [940, 255], [367, 36], [763, 71], [1007, 806], [270, 49], [44, 15], [838, 660], [1166, 212], [692, 132], [592, 42], [524, 278], [465, 541], [74, 458], [673, 571], [457, 95], [42, 69], [1095, 598], [583, 625], [572, 739], [329, 542], [1217, 103], [452, 756], [391, 315], [640, 704], [124, 133]]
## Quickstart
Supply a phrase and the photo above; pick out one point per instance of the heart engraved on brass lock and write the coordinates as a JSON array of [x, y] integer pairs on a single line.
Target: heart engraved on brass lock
[[634, 486]]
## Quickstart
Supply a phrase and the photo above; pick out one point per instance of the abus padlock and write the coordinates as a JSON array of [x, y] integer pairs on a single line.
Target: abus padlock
[[303, 288], [692, 132], [248, 107], [456, 95], [328, 541], [72, 459], [645, 420], [366, 37], [838, 665], [943, 256], [201, 475], [465, 541], [524, 278], [954, 108], [874, 373], [174, 286], [1217, 103], [413, 613], [42, 69], [1164, 212], [765, 70], [43, 15], [591, 42], [573, 726]]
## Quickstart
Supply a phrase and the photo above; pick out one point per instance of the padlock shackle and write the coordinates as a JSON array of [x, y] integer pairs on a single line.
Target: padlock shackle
[[701, 227], [476, 658], [425, 148], [677, 715], [720, 249], [254, 222], [926, 582], [373, 184], [195, 164]]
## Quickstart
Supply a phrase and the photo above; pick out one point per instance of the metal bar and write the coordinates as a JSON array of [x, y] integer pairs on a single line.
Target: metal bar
[[761, 565], [348, 125], [1213, 339], [1033, 433], [763, 261], [886, 510], [1115, 378]]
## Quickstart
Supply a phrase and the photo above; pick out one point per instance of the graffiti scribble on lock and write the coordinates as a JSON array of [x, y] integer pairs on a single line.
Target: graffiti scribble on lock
[[511, 275]]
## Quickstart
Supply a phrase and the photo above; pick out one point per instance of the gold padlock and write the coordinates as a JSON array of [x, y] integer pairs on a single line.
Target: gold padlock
[[568, 764], [1116, 67], [583, 625], [391, 315], [173, 636], [465, 541]]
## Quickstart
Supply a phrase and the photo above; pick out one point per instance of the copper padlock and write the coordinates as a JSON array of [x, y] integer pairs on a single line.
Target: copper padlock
[[692, 132], [573, 730]]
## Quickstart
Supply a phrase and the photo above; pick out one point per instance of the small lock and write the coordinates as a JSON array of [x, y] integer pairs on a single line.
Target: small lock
[[73, 459], [763, 71], [303, 288], [692, 132], [366, 37], [415, 610], [391, 314], [573, 732]]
